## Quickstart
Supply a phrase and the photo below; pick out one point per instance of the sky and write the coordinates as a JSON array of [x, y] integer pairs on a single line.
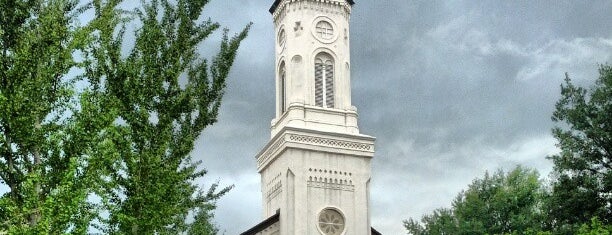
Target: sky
[[450, 89]]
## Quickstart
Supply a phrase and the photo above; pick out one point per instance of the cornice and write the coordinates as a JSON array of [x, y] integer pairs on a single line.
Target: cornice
[[280, 10], [277, 2], [313, 140]]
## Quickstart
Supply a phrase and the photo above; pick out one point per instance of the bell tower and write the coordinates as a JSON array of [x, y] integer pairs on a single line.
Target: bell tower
[[315, 170], [313, 66]]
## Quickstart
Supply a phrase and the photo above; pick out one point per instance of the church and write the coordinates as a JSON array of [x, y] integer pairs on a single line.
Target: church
[[315, 170]]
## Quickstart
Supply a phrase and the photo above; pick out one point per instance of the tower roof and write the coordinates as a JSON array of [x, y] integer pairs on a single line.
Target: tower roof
[[276, 2]]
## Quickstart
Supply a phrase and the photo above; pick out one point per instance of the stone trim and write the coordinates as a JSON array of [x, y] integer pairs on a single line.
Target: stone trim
[[328, 6], [345, 119], [288, 137], [269, 153], [276, 2], [274, 191], [330, 179], [330, 142], [274, 187]]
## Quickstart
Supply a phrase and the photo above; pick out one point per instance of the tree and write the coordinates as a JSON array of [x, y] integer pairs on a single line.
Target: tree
[[503, 203], [441, 221], [125, 136], [46, 177], [584, 166], [164, 95], [594, 228]]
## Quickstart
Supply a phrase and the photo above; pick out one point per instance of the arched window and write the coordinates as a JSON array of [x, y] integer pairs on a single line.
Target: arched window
[[282, 88], [324, 81]]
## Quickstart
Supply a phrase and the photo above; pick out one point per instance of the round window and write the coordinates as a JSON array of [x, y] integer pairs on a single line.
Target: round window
[[325, 30], [331, 222]]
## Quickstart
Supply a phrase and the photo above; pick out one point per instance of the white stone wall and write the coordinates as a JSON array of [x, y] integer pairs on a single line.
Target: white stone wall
[[305, 171], [316, 158], [298, 19]]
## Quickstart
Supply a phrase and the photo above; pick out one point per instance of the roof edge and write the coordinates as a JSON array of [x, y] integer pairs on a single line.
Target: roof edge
[[263, 225], [277, 2], [276, 218]]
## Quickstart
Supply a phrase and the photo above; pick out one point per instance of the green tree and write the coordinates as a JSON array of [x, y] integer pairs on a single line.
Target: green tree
[[43, 150], [594, 228], [584, 166], [502, 203], [441, 221], [164, 95], [202, 224]]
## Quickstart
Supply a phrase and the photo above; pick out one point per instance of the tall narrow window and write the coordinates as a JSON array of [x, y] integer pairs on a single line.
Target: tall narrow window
[[324, 81], [283, 89]]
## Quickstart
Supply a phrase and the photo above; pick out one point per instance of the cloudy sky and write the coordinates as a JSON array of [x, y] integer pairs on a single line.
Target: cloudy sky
[[450, 89]]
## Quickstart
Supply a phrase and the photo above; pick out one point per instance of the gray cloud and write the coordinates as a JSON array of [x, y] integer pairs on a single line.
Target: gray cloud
[[451, 89]]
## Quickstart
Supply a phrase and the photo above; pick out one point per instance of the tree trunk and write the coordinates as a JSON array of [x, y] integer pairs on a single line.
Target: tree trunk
[[35, 215]]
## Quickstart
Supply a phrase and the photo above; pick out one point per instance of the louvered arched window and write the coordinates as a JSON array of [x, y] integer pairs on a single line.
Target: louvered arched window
[[282, 88], [324, 81]]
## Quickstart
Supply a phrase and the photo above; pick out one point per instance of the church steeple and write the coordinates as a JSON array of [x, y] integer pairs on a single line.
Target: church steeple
[[315, 170], [313, 65]]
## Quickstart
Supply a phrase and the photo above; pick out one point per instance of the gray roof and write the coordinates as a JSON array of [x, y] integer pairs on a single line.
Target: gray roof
[[276, 2], [263, 225]]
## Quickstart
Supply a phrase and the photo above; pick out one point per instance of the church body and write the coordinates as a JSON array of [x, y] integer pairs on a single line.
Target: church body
[[315, 170]]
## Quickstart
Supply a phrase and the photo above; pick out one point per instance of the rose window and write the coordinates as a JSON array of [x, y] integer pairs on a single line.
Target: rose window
[[331, 222]]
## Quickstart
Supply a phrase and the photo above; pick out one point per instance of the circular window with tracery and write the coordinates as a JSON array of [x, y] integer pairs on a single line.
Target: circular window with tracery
[[325, 30], [331, 222]]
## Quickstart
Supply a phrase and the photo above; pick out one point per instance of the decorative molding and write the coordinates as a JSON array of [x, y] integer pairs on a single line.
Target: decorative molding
[[354, 145], [330, 179], [274, 187], [325, 6], [270, 152], [330, 142], [274, 191], [298, 28], [273, 180]]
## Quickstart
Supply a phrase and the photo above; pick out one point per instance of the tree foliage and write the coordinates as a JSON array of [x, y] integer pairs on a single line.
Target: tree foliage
[[164, 96], [502, 203], [595, 228], [441, 221], [112, 152], [583, 189], [39, 160]]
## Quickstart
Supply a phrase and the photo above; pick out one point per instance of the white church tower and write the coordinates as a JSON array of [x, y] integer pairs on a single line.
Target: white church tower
[[315, 170]]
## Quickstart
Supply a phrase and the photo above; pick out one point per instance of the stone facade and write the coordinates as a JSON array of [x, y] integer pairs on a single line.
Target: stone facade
[[315, 170], [298, 43]]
